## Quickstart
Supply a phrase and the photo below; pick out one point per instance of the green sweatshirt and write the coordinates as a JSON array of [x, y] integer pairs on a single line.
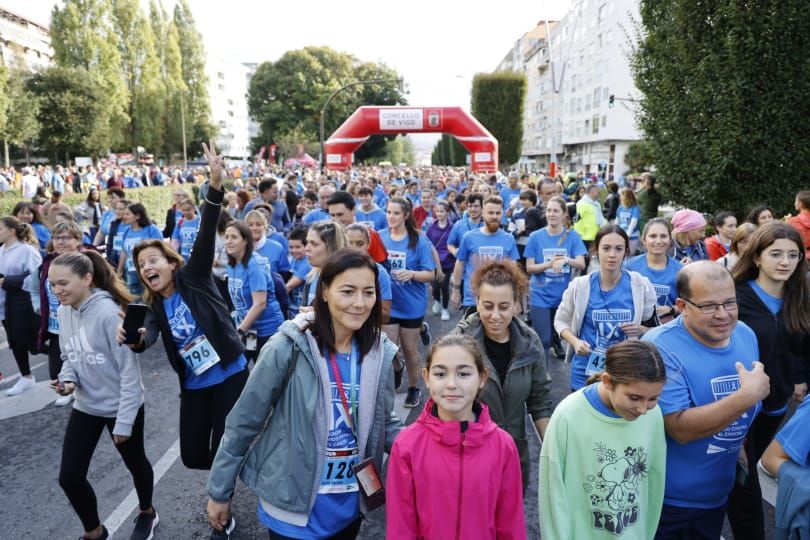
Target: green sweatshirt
[[601, 477]]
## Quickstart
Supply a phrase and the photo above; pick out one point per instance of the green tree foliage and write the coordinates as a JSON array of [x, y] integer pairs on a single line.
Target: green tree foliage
[[197, 108], [140, 69], [639, 156], [171, 74], [83, 36], [4, 95], [448, 151], [497, 102], [399, 150], [725, 108], [70, 112], [22, 126], [288, 94]]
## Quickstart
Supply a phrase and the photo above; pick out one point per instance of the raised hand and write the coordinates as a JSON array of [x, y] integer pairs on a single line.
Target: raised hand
[[215, 162], [754, 383]]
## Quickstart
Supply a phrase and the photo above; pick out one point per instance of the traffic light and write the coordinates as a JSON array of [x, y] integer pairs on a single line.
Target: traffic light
[[611, 101]]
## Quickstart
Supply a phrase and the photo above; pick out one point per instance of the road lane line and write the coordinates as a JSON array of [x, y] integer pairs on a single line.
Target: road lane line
[[130, 503], [17, 375]]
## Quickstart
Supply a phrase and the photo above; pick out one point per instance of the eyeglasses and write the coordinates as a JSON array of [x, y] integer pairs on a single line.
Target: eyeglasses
[[711, 309]]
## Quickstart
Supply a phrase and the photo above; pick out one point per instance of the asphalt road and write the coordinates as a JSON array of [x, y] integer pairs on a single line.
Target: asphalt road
[[34, 506]]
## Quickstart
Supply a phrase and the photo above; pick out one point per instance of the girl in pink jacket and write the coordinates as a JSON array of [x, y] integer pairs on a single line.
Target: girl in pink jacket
[[454, 473]]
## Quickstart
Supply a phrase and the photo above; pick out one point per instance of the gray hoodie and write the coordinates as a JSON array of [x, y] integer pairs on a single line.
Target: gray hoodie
[[107, 375]]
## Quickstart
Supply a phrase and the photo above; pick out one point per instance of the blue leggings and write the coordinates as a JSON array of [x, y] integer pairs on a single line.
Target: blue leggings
[[543, 322]]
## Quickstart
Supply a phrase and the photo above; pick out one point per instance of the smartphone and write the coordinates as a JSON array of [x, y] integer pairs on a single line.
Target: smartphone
[[134, 320]]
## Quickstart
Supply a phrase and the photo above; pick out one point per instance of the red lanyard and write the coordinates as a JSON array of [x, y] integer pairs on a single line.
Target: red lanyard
[[341, 391]]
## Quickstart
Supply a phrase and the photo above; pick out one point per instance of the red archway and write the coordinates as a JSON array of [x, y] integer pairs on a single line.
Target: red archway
[[367, 121]]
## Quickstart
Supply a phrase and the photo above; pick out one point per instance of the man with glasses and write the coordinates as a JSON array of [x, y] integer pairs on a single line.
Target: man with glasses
[[713, 392]]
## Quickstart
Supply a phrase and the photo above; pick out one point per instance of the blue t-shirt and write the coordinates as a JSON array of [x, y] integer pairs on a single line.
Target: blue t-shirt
[[275, 255], [132, 238], [606, 312], [663, 281], [42, 234], [460, 228], [773, 303], [477, 248], [546, 288], [592, 395], [337, 503], [408, 299], [508, 195], [700, 474], [384, 281], [106, 218], [625, 215], [318, 214], [185, 234], [794, 435], [184, 331], [376, 219], [242, 282], [118, 240], [281, 239], [300, 268], [53, 307]]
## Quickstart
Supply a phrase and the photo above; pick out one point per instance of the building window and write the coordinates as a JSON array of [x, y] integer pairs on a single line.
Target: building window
[[595, 123], [597, 96], [579, 104], [605, 93], [220, 75], [588, 102], [604, 120]]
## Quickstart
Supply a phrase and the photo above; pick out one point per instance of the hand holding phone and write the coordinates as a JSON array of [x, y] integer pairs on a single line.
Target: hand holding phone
[[133, 322]]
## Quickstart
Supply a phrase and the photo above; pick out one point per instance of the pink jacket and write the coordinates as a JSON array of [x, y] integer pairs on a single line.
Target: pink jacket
[[444, 484]]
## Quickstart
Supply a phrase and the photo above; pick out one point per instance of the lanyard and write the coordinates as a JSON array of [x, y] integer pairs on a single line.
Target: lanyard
[[347, 406]]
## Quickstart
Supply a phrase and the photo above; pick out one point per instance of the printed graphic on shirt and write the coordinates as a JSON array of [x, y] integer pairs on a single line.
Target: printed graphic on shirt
[[398, 260], [240, 305], [662, 292], [53, 307], [78, 349], [488, 253], [187, 237], [607, 324], [182, 323], [548, 256], [736, 431], [615, 488]]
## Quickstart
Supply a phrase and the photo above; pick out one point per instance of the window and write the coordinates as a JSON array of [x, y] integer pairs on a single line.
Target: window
[[597, 96], [220, 75], [595, 123], [579, 104], [604, 120], [588, 102], [605, 93]]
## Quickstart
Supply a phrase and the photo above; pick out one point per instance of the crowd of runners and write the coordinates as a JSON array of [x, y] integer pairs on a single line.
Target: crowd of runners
[[291, 305]]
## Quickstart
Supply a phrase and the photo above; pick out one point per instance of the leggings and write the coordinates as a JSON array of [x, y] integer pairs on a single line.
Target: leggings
[[543, 323], [81, 437], [19, 351], [348, 533], [441, 289], [254, 355], [54, 356], [202, 419]]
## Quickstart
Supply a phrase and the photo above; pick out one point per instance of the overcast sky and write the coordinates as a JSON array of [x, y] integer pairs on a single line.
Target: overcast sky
[[437, 45]]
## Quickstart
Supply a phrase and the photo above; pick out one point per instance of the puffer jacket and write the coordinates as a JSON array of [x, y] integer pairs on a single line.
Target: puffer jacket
[[275, 437], [527, 387]]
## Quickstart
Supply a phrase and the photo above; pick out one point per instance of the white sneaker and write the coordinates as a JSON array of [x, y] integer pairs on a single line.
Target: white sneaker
[[23, 385], [61, 401], [445, 315], [437, 307]]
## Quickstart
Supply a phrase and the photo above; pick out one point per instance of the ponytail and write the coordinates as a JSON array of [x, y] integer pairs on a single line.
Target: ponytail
[[22, 231], [410, 224], [91, 262]]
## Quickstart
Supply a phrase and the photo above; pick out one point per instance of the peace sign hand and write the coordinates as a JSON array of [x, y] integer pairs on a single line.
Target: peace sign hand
[[215, 162]]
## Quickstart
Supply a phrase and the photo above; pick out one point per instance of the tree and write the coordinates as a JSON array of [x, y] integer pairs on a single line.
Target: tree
[[192, 53], [140, 68], [22, 126], [4, 94], [82, 36], [639, 156], [448, 151], [171, 73], [399, 150], [497, 102], [725, 89], [70, 113]]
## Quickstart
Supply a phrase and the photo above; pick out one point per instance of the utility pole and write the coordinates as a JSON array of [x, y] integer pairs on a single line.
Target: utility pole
[[183, 125]]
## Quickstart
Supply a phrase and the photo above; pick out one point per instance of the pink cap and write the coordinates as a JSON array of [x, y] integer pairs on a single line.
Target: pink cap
[[687, 220]]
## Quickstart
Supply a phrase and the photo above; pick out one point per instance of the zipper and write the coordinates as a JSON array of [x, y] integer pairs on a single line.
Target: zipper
[[460, 484]]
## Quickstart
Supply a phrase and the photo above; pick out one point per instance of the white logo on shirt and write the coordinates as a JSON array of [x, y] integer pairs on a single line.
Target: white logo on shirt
[[78, 349]]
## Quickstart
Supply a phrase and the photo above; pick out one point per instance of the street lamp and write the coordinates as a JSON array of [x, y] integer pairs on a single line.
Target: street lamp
[[339, 90]]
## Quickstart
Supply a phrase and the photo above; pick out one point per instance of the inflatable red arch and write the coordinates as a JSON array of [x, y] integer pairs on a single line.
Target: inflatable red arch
[[367, 121]]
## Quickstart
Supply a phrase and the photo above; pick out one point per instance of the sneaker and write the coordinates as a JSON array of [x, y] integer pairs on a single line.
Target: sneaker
[[437, 307], [145, 525], [424, 333], [104, 534], [61, 401], [412, 399], [397, 378], [445, 315], [23, 385], [225, 533]]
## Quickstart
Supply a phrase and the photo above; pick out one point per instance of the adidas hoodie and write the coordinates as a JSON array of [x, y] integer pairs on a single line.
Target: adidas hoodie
[[107, 375]]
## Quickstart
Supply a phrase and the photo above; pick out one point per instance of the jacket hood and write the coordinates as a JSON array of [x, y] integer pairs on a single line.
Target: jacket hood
[[96, 297], [449, 433], [519, 334], [803, 218]]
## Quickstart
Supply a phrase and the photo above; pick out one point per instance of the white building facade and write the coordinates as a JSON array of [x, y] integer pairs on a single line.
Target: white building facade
[[227, 92], [571, 77], [23, 41]]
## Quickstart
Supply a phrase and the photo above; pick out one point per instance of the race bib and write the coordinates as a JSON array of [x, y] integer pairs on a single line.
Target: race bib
[[398, 260], [199, 355], [118, 242], [53, 323], [596, 362], [338, 471]]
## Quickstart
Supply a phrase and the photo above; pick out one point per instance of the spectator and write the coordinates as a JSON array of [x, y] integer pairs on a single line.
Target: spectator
[[649, 199], [738, 244], [689, 228], [590, 215], [725, 224], [801, 221], [760, 215], [611, 205]]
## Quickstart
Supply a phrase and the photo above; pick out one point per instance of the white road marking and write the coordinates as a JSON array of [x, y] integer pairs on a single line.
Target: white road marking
[[17, 375], [130, 503]]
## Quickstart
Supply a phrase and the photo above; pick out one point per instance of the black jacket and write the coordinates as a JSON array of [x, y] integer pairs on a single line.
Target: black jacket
[[779, 349], [197, 286], [171, 221]]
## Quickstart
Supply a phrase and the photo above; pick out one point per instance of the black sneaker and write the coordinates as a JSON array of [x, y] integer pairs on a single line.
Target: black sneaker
[[145, 525], [397, 378], [104, 534], [412, 399], [424, 333], [225, 533]]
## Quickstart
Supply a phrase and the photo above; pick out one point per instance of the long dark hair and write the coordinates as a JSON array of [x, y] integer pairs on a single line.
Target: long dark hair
[[91, 262], [631, 361], [140, 210], [796, 300], [606, 230], [244, 231], [20, 206], [410, 224], [337, 263]]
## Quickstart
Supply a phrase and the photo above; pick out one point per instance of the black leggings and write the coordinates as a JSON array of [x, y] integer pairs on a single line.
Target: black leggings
[[254, 355], [349, 533], [441, 289], [54, 356], [202, 419], [20, 351], [81, 437]]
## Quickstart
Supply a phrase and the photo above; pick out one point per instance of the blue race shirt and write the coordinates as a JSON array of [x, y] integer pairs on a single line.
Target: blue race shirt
[[42, 234], [275, 255], [384, 281], [132, 238], [773, 303], [408, 299], [107, 218], [663, 281], [118, 240], [606, 311], [374, 219], [242, 282], [53, 307], [592, 395], [460, 228], [337, 503], [281, 239], [625, 215], [318, 214], [794, 435], [185, 234], [300, 268], [546, 288], [477, 248], [700, 474], [184, 331]]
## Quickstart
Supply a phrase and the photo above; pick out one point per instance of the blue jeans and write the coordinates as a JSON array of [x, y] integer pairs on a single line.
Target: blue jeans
[[543, 323], [678, 523]]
